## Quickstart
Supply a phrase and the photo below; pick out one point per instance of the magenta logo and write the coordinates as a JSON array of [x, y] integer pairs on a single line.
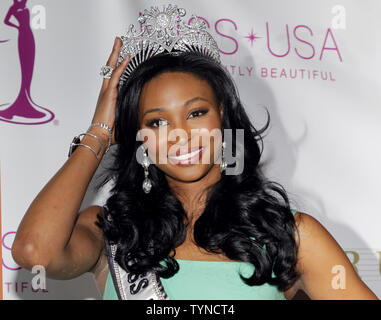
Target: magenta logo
[[8, 247], [297, 43], [24, 110]]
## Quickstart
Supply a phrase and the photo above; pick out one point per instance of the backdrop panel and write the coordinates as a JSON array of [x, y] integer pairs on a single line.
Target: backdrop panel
[[313, 64]]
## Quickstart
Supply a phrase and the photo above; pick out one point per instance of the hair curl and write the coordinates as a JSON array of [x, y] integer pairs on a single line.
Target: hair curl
[[243, 217]]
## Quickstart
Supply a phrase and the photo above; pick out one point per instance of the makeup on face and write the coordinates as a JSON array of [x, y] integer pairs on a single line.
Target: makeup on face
[[192, 156], [179, 101]]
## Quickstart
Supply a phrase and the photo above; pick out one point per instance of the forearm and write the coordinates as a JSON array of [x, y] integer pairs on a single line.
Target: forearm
[[48, 223], [11, 24], [7, 20]]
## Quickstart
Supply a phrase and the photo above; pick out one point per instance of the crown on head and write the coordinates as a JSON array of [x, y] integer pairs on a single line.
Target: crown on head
[[164, 31]]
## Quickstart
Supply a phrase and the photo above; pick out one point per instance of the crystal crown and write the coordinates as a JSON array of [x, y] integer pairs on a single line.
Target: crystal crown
[[165, 31]]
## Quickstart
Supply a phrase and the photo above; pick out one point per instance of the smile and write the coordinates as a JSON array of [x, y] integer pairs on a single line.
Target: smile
[[187, 157]]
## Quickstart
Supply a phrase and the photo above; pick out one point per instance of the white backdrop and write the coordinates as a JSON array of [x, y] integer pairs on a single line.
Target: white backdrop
[[314, 64]]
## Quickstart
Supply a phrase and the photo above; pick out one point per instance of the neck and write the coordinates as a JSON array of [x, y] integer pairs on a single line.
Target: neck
[[193, 194]]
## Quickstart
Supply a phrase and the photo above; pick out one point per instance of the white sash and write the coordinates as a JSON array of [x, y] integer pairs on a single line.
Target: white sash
[[130, 286]]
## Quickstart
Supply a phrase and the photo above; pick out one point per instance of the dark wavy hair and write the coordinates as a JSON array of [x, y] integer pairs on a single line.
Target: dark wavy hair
[[246, 216]]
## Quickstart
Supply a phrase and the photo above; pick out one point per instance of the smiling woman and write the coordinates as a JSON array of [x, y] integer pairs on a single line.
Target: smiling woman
[[194, 211], [198, 225], [174, 226]]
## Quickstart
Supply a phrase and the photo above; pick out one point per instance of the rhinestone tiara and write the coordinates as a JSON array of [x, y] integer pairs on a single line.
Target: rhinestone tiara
[[165, 31]]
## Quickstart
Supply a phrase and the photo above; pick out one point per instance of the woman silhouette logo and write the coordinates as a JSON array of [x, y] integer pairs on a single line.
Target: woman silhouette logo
[[24, 108]]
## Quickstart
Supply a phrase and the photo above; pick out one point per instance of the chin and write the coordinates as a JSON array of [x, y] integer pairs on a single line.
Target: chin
[[187, 173]]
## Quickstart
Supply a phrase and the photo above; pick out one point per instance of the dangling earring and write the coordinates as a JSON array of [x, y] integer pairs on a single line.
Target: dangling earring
[[147, 184], [223, 164]]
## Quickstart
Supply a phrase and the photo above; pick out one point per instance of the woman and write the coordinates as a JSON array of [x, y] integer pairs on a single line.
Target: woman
[[196, 226]]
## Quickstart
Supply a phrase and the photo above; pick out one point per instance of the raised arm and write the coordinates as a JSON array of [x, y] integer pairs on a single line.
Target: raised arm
[[8, 17], [52, 233]]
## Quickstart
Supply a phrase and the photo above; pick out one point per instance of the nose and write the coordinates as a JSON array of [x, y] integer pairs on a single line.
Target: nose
[[179, 136]]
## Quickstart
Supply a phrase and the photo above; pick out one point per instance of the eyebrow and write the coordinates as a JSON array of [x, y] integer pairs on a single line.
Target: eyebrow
[[184, 105]]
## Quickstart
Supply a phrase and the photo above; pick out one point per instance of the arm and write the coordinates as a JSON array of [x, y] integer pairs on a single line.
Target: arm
[[7, 18], [321, 262], [83, 252], [52, 233]]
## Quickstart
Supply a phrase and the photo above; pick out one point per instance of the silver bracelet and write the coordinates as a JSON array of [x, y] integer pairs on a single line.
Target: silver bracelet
[[85, 145], [76, 142], [105, 126]]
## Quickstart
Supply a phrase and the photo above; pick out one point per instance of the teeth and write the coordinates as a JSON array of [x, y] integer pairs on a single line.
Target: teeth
[[186, 156]]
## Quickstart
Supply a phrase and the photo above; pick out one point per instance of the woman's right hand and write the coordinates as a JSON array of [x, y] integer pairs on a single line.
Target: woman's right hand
[[106, 105]]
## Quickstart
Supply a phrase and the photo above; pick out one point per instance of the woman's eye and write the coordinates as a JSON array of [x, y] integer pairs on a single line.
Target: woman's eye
[[198, 113], [159, 122], [153, 123]]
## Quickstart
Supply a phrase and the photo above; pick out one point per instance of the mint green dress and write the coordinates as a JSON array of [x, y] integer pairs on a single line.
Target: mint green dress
[[209, 280]]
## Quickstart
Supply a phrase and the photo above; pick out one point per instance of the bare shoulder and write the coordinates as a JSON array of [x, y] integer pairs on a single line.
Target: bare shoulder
[[307, 223], [326, 272], [309, 229]]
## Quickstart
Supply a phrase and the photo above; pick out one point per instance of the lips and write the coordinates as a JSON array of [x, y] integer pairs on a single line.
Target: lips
[[186, 156], [184, 152]]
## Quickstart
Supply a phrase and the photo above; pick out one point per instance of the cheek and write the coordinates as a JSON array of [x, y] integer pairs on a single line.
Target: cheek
[[211, 122], [211, 131], [155, 145], [213, 127]]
